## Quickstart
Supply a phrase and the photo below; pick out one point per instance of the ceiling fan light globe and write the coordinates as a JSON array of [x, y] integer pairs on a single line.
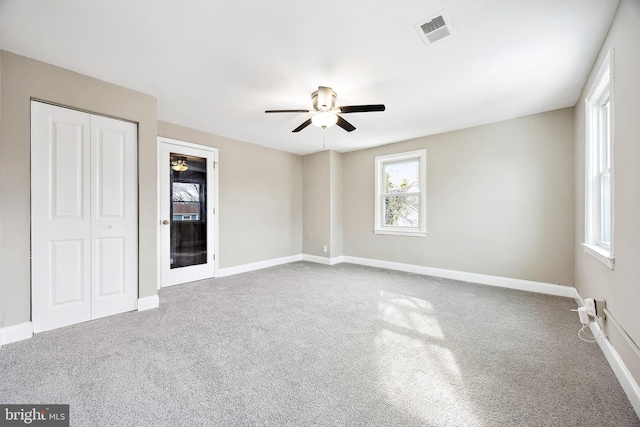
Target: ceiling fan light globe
[[179, 165], [324, 120]]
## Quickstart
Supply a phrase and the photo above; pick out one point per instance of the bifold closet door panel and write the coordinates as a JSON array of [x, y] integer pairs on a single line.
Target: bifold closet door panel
[[84, 216], [114, 207], [60, 216]]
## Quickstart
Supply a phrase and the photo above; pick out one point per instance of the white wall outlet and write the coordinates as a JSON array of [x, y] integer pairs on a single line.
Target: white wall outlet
[[324, 248], [590, 305], [584, 317]]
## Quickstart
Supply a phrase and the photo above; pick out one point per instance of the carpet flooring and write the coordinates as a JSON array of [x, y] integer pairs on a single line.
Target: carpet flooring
[[305, 344]]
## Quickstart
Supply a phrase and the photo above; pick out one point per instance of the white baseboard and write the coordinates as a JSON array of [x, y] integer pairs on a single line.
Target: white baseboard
[[15, 333], [504, 282], [323, 260], [336, 260], [147, 303], [244, 268], [626, 380], [629, 385]]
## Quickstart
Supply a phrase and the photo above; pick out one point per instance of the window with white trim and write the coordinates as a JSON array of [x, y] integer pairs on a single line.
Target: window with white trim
[[401, 202], [599, 207]]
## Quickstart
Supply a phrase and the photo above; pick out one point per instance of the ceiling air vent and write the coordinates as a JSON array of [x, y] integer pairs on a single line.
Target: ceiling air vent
[[435, 28]]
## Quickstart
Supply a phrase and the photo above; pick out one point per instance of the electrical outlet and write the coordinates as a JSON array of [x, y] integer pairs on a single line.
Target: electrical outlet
[[590, 305], [584, 317], [324, 248]]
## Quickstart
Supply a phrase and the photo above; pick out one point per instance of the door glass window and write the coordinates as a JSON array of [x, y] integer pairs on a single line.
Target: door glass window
[[188, 210]]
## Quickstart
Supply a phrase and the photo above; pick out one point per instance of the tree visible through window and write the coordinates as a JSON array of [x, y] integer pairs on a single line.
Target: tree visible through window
[[186, 192], [400, 193]]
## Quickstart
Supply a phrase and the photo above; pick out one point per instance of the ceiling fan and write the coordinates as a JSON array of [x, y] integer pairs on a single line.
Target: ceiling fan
[[324, 103]]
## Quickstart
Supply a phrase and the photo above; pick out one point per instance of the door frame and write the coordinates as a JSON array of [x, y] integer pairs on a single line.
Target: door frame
[[163, 141]]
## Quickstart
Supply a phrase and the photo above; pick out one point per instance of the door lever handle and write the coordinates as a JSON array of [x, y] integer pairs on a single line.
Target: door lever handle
[[165, 222]]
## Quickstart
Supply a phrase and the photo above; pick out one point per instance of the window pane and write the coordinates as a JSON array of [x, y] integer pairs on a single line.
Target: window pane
[[186, 192], [402, 177], [605, 122], [186, 200], [188, 212], [401, 210], [605, 209], [605, 177]]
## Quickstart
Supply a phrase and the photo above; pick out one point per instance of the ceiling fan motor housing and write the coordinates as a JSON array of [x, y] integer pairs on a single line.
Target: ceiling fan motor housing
[[324, 102], [324, 99]]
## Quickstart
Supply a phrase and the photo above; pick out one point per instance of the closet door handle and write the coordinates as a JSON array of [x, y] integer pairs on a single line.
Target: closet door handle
[[165, 222]]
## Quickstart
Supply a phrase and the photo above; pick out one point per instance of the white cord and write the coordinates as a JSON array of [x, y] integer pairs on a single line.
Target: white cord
[[587, 338]]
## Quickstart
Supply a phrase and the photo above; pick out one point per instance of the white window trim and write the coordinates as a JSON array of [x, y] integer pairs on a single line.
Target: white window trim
[[600, 254], [379, 228], [603, 83]]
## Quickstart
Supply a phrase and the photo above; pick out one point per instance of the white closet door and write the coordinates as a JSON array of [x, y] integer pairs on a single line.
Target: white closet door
[[83, 216], [114, 212], [60, 216]]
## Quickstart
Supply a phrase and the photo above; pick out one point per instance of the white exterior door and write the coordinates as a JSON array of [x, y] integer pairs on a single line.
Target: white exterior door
[[83, 216], [187, 212]]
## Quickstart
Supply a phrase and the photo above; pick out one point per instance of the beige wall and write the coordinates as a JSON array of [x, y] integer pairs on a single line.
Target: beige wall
[[322, 177], [260, 200], [21, 80], [499, 201], [317, 203], [335, 177], [619, 287]]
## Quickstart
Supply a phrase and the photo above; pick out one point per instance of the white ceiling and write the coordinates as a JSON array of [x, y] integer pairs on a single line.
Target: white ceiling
[[216, 65]]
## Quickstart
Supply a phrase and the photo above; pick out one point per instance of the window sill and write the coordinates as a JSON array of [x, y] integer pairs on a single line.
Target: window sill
[[401, 233], [602, 255]]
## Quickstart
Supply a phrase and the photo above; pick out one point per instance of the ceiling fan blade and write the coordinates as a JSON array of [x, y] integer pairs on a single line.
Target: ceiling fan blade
[[286, 111], [361, 108], [345, 124], [302, 126]]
